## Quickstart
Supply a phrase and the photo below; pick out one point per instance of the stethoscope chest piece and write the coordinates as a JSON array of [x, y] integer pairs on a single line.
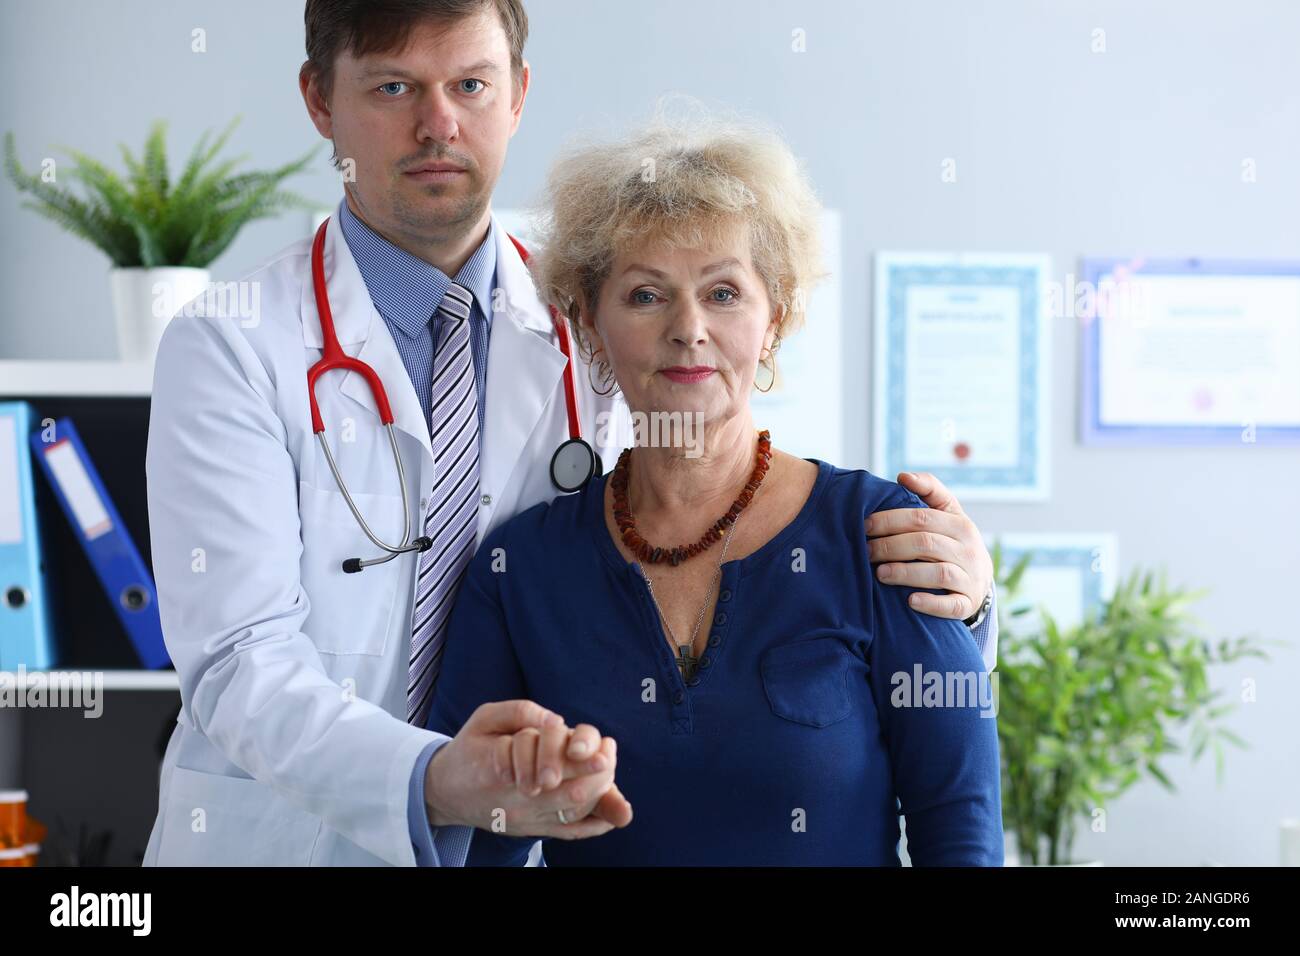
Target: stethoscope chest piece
[[573, 465]]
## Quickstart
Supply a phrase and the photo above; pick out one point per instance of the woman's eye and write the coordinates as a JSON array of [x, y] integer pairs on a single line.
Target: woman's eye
[[391, 83], [730, 293], [643, 301], [475, 90]]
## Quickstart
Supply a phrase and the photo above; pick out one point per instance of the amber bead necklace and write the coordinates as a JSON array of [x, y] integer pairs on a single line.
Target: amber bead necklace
[[643, 549]]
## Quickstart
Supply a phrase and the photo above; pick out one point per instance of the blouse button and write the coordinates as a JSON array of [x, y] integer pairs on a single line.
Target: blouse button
[[720, 617], [725, 595], [678, 697], [704, 662], [715, 640]]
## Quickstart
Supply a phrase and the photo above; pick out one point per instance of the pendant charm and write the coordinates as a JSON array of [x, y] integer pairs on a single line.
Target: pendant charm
[[686, 661]]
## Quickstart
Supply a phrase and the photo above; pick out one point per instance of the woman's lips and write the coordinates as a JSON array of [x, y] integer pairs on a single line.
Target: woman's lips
[[688, 375]]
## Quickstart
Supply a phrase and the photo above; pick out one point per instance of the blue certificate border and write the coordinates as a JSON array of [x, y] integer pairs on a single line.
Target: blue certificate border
[[1093, 431], [1028, 280], [1072, 558]]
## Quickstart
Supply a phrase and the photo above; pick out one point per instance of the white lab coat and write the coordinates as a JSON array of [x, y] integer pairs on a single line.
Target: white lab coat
[[292, 747]]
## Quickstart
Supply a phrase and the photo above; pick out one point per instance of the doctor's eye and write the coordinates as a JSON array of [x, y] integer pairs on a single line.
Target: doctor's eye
[[732, 294], [481, 86], [384, 86], [643, 292]]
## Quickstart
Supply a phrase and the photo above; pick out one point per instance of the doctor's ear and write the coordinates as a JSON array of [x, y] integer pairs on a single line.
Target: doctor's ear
[[318, 107], [518, 93]]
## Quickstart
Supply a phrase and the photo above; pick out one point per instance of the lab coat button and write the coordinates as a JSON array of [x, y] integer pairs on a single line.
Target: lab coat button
[[486, 500]]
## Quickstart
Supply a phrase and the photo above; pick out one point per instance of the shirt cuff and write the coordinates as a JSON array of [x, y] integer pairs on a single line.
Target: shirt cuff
[[986, 635], [434, 846]]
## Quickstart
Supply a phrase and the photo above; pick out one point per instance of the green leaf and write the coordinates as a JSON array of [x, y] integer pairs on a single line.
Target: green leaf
[[142, 219], [1088, 712]]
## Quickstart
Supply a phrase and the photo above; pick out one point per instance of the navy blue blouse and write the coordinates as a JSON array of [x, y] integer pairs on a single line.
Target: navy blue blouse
[[824, 706]]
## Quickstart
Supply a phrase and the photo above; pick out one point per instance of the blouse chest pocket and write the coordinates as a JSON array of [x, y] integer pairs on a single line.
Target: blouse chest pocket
[[807, 682]]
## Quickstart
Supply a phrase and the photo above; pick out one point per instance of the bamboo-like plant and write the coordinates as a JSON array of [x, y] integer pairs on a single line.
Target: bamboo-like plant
[[146, 219], [1085, 713]]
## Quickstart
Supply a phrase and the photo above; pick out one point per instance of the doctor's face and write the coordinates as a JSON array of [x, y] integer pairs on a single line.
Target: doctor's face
[[427, 128], [683, 329]]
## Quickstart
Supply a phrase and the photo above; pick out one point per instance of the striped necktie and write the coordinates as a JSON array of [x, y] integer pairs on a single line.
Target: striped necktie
[[452, 518]]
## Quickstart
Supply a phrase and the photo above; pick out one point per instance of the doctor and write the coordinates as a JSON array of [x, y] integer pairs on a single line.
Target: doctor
[[304, 687]]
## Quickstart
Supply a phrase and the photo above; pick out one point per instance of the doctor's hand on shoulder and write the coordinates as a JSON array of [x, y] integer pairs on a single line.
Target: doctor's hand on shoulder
[[516, 768], [937, 546]]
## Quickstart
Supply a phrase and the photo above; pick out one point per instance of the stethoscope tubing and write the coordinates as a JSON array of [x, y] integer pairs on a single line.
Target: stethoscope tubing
[[333, 357]]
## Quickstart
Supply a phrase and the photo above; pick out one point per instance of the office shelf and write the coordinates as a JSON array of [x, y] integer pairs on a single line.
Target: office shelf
[[38, 377], [95, 776]]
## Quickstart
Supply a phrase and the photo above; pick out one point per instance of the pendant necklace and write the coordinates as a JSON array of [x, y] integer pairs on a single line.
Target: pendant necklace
[[725, 526]]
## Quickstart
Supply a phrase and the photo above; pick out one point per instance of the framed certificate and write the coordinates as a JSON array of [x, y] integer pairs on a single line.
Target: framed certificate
[[962, 344], [1068, 575], [1182, 351]]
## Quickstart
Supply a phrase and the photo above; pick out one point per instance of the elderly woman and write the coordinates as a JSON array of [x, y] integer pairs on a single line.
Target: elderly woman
[[712, 607]]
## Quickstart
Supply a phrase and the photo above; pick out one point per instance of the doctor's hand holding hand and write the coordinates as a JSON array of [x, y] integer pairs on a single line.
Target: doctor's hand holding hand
[[938, 547], [518, 759]]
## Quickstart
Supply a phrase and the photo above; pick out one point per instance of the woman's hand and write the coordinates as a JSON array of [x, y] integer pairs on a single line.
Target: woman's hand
[[550, 758], [488, 775], [935, 547]]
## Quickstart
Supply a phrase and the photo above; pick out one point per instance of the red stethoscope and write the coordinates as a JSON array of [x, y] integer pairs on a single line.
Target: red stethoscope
[[574, 463]]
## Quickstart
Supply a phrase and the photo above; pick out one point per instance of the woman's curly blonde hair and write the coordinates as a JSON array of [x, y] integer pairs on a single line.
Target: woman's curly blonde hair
[[686, 182]]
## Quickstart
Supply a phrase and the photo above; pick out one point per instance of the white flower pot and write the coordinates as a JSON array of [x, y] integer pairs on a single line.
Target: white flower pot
[[144, 301]]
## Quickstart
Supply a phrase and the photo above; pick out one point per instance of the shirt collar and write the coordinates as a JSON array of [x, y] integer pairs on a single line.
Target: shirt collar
[[405, 289]]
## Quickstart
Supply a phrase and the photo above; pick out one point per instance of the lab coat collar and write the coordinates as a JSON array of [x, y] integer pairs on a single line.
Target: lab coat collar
[[515, 285], [524, 371], [349, 298]]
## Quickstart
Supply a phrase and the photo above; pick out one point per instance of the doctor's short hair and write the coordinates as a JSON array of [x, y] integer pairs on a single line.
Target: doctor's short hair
[[686, 179], [381, 26]]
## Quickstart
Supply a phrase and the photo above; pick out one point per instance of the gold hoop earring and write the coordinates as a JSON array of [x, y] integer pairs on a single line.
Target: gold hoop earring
[[771, 380], [588, 355], [763, 363], [606, 376]]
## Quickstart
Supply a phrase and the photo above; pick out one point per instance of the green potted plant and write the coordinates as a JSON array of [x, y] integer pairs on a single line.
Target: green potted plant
[[160, 234], [1086, 712]]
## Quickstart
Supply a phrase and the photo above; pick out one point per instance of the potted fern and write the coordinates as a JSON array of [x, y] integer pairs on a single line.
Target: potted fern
[[160, 235], [1086, 712]]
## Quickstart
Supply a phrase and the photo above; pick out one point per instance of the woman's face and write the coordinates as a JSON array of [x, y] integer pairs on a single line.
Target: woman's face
[[683, 329]]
